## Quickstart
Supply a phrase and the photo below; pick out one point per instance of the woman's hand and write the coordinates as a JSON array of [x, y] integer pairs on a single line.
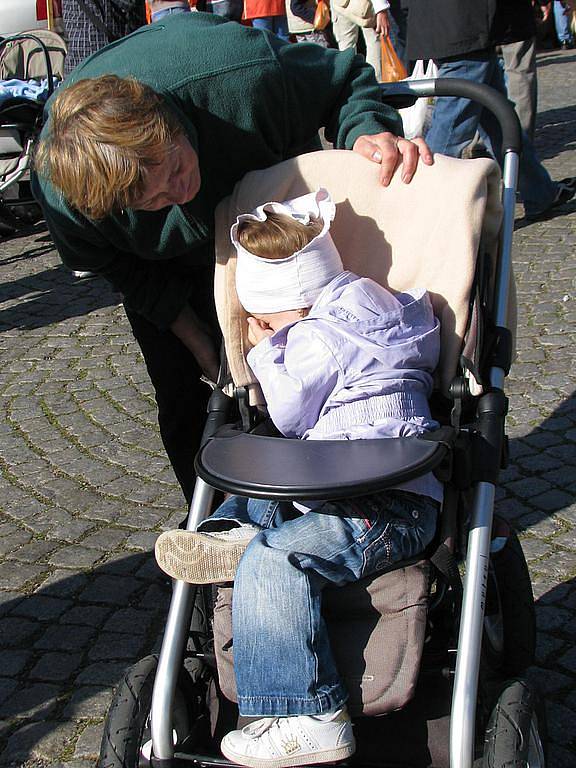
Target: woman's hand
[[193, 333], [258, 330], [382, 23], [391, 151]]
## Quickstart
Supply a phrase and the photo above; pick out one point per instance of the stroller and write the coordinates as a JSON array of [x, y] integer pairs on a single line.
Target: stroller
[[434, 669], [37, 59]]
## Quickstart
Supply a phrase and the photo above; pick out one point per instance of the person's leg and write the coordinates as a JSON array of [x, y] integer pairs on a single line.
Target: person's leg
[[373, 50], [210, 555], [180, 395], [277, 596], [535, 187], [265, 22], [455, 120], [562, 24], [522, 82], [345, 31], [280, 26]]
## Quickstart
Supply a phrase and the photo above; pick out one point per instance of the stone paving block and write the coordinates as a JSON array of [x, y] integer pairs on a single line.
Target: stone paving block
[[122, 563], [54, 667], [8, 600], [561, 724], [13, 541], [34, 702], [7, 686], [130, 621], [110, 589], [17, 578], [88, 745], [64, 583], [551, 618], [535, 549], [12, 662], [75, 556], [61, 637], [112, 646], [86, 615], [34, 551], [528, 487], [15, 631], [102, 673], [88, 702], [42, 607], [142, 541], [39, 740], [106, 539]]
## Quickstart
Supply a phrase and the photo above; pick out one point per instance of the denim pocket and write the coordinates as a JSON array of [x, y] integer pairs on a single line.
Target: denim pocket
[[406, 527]]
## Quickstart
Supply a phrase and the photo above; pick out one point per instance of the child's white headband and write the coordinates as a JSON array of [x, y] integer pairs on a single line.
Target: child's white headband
[[274, 285]]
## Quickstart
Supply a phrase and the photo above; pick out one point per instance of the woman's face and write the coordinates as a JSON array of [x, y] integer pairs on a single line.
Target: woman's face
[[174, 182]]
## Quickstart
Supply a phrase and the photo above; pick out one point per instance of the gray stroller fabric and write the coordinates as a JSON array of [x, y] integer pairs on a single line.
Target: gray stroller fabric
[[376, 629]]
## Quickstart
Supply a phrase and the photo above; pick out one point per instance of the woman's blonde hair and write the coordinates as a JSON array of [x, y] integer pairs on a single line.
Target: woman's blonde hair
[[278, 236], [103, 133]]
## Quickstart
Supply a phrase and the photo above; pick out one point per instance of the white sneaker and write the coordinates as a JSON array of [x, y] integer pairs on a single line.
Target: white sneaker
[[279, 742], [203, 558]]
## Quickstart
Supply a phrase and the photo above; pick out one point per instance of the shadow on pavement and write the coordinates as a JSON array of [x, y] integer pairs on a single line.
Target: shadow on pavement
[[555, 132], [50, 296], [64, 647]]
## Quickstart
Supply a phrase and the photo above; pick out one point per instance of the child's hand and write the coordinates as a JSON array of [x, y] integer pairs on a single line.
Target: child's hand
[[258, 330]]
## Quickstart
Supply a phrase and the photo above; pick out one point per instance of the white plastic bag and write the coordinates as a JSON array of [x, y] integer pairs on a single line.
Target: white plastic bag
[[416, 119]]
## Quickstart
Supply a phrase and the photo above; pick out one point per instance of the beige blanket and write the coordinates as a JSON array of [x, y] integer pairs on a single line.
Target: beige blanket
[[423, 234]]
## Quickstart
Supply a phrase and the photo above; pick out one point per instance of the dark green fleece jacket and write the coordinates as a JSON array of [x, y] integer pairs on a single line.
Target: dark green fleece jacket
[[246, 101]]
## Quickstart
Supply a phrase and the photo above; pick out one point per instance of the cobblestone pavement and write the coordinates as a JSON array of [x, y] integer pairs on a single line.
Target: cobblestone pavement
[[85, 487]]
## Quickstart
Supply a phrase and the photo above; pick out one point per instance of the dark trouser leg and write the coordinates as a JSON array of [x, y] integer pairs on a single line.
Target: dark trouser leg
[[180, 395]]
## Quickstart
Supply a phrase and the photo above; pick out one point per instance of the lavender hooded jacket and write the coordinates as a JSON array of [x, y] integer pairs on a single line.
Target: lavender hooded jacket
[[359, 366]]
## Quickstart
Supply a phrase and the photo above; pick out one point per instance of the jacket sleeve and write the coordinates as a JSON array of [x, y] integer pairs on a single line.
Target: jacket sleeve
[[303, 9], [336, 90], [296, 378], [147, 287]]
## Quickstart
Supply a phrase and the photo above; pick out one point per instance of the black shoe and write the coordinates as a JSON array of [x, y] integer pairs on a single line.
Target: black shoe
[[566, 46], [566, 189]]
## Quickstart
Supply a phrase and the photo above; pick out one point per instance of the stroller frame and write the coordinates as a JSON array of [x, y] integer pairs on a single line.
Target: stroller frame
[[492, 415], [28, 131]]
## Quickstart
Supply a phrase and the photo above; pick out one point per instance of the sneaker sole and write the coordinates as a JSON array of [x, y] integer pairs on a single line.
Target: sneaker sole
[[310, 758], [198, 559]]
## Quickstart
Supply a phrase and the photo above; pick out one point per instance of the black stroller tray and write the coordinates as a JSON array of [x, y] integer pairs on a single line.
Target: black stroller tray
[[279, 468]]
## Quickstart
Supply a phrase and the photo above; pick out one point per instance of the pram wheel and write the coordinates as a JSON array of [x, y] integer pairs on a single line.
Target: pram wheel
[[126, 740], [516, 732], [509, 621]]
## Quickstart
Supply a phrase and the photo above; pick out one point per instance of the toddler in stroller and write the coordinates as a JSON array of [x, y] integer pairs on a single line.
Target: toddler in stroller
[[338, 357]]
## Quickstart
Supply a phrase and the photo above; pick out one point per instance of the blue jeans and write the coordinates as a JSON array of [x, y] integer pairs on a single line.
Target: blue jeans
[[562, 23], [455, 122], [168, 12], [282, 657], [278, 25]]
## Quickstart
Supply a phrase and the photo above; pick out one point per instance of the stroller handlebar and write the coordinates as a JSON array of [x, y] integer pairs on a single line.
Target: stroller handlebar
[[488, 97]]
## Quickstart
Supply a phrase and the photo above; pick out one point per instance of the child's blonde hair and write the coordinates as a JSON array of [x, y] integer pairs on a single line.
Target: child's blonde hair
[[278, 237]]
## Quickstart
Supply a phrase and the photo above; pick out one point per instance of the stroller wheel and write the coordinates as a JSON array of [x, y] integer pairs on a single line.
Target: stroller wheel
[[516, 733], [509, 641], [126, 739]]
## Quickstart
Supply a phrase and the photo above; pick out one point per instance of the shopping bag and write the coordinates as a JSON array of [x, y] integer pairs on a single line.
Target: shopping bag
[[392, 68], [416, 119], [321, 15]]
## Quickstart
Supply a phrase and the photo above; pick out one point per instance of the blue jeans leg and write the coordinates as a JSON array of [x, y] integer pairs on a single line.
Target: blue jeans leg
[[282, 657], [562, 23], [278, 25], [455, 122], [261, 512]]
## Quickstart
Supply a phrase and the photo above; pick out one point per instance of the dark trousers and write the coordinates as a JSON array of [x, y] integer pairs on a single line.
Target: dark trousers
[[180, 395]]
